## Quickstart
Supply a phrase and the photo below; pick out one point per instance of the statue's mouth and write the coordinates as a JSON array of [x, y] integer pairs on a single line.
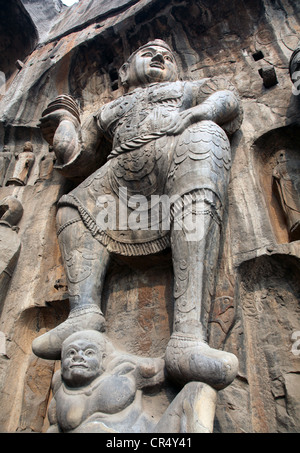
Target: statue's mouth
[[156, 64], [79, 365]]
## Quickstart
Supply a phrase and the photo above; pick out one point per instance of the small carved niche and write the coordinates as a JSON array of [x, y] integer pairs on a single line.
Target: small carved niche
[[277, 161]]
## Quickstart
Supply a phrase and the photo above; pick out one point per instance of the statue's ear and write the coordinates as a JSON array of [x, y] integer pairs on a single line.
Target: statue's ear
[[124, 74]]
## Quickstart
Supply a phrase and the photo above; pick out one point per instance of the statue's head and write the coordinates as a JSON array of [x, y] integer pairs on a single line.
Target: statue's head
[[28, 147], [82, 357], [281, 156], [153, 62]]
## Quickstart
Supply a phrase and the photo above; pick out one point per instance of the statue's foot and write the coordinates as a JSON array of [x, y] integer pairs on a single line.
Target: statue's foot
[[189, 358], [48, 345]]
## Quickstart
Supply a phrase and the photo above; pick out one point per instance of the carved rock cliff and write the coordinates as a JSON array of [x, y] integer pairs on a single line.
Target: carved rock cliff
[[256, 312]]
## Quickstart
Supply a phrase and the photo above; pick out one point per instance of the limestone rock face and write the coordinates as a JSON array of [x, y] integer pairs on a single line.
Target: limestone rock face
[[10, 249], [255, 312], [44, 14], [18, 35]]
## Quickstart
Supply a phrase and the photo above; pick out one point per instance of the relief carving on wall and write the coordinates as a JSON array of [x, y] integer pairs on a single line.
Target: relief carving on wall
[[286, 176], [23, 166], [164, 185]]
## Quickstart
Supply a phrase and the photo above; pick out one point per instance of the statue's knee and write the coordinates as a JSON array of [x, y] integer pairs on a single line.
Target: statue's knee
[[65, 214]]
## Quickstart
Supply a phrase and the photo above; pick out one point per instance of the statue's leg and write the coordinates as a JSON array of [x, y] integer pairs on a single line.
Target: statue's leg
[[85, 262], [188, 356], [195, 238], [191, 411]]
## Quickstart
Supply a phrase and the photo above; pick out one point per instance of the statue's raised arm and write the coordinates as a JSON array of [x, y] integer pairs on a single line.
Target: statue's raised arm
[[80, 148]]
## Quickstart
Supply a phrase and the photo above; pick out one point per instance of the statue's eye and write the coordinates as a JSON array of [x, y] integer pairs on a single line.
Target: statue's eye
[[147, 54], [167, 57], [89, 352], [71, 353]]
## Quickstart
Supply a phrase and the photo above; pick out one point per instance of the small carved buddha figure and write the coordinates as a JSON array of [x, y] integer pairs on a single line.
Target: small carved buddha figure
[[286, 176], [24, 164], [168, 138]]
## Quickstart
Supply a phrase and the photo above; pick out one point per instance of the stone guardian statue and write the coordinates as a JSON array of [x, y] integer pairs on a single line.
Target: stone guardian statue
[[170, 144]]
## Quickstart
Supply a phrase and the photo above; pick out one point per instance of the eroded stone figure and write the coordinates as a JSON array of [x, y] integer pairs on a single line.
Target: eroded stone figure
[[99, 389], [24, 164], [286, 175], [5, 158], [169, 137], [46, 166], [11, 212]]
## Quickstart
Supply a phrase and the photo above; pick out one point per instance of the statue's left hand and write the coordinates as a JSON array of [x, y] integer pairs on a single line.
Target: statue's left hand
[[184, 119], [179, 123], [50, 122]]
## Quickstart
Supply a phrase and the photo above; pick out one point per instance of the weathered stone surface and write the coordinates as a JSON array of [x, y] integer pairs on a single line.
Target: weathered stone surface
[[267, 297], [10, 248], [85, 13], [142, 308], [44, 14], [18, 35], [11, 211], [256, 295], [37, 382]]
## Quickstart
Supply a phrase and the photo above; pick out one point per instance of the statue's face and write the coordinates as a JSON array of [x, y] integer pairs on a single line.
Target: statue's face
[[28, 146], [151, 64], [81, 362]]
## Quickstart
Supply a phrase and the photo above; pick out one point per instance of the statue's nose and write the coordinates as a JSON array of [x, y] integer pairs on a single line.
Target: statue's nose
[[78, 357], [158, 57]]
